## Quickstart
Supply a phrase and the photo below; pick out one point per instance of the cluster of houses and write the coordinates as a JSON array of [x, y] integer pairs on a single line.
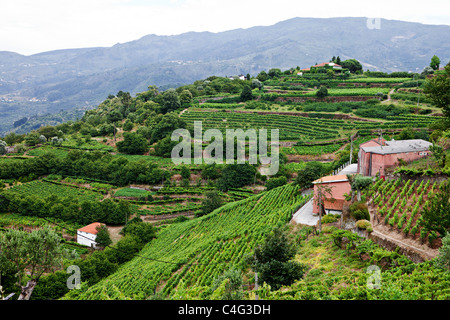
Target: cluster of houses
[[374, 157]]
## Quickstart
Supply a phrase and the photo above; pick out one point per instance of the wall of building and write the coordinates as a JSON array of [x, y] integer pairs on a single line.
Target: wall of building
[[370, 164], [87, 239], [337, 192]]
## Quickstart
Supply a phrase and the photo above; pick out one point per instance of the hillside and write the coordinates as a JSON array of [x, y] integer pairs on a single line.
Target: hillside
[[64, 79], [175, 229]]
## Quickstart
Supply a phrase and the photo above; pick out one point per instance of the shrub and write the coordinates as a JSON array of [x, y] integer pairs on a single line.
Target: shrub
[[329, 218], [322, 92], [364, 225], [359, 211]]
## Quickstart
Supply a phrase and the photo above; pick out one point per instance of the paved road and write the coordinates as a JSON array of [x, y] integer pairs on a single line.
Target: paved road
[[304, 215]]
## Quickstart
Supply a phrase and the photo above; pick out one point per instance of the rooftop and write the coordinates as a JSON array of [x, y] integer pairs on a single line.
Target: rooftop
[[91, 228], [400, 146], [331, 179]]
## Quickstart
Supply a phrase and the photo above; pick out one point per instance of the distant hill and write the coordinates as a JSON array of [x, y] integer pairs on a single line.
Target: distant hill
[[52, 81]]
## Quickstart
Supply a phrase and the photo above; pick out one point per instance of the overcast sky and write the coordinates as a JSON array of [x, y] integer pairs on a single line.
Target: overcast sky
[[32, 26]]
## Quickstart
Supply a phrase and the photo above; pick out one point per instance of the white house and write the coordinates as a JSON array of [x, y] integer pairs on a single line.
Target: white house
[[87, 235]]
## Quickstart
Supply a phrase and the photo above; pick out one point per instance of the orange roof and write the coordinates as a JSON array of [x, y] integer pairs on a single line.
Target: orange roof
[[91, 228], [328, 179]]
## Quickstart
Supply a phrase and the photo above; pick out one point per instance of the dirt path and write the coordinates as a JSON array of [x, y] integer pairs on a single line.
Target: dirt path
[[389, 96], [114, 233]]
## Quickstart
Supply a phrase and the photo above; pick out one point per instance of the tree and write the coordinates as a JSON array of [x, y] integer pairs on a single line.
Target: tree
[[32, 138], [312, 171], [132, 143], [236, 176], [170, 101], [128, 125], [164, 147], [144, 232], [361, 182], [438, 90], [322, 92], [262, 76], [57, 141], [103, 238], [42, 139], [185, 172], [319, 199], [272, 260], [406, 134], [274, 72], [186, 98], [211, 202], [352, 65], [48, 131], [338, 60], [256, 84], [31, 255], [2, 147], [168, 123], [275, 182], [435, 62], [228, 286], [246, 94], [426, 71]]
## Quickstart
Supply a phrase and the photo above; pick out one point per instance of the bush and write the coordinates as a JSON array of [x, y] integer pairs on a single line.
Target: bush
[[364, 225], [276, 182], [329, 218], [322, 92], [359, 211]]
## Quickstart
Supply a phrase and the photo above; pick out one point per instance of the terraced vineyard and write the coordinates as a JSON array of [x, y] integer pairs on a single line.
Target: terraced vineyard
[[292, 127], [196, 251], [44, 189], [399, 204]]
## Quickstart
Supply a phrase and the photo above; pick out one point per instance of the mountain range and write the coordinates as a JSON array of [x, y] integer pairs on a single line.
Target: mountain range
[[54, 81]]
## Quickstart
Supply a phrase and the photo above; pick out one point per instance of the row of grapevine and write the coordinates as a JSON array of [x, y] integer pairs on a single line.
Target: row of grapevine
[[199, 250], [400, 203]]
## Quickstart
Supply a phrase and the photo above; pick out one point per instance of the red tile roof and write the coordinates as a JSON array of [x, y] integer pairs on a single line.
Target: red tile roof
[[91, 228], [337, 178]]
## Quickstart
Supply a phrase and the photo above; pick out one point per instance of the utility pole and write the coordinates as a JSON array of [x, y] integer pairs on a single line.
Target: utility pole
[[256, 286], [351, 148]]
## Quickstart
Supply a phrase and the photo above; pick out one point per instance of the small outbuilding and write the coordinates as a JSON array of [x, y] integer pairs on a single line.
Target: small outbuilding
[[333, 189], [87, 235]]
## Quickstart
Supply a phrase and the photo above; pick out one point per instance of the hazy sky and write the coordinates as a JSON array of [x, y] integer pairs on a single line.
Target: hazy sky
[[32, 26]]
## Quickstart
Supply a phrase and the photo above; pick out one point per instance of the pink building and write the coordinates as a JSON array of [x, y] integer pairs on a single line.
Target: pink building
[[378, 154], [338, 186]]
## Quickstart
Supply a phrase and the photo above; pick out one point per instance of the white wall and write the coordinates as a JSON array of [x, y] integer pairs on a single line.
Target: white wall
[[87, 239]]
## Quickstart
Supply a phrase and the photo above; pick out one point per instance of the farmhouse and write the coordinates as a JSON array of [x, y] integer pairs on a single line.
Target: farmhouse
[[324, 66], [88, 234], [376, 155], [333, 189]]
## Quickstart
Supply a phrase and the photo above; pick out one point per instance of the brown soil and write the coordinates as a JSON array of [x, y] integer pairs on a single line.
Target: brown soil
[[114, 233]]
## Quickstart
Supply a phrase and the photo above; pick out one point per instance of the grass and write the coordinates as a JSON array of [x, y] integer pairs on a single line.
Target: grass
[[130, 192]]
